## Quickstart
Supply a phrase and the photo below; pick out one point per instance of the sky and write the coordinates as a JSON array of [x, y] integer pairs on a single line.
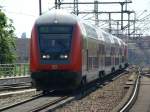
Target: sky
[[25, 12]]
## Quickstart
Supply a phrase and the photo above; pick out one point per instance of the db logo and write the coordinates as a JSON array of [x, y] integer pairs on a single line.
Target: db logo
[[54, 67]]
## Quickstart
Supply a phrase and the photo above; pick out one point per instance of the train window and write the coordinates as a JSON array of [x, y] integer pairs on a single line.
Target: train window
[[84, 43], [101, 49], [107, 61], [120, 51], [55, 38], [112, 51], [55, 29], [99, 31], [92, 62], [123, 59], [95, 62], [116, 41], [106, 37], [91, 32], [107, 49], [116, 60]]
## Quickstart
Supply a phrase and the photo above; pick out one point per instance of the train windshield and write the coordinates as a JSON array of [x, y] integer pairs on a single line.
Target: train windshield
[[55, 38]]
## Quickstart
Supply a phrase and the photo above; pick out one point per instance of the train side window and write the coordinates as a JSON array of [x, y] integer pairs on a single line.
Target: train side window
[[106, 37], [90, 63], [95, 62], [99, 32], [101, 49], [112, 51], [120, 51], [108, 61], [116, 41]]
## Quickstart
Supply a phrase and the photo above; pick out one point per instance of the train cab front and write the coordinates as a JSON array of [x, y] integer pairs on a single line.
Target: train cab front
[[55, 60]]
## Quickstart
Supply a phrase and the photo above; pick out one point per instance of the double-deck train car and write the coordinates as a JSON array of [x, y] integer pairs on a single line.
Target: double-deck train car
[[65, 52]]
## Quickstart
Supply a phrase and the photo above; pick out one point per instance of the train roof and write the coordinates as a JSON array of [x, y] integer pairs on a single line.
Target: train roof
[[107, 37], [57, 17], [63, 17], [104, 36]]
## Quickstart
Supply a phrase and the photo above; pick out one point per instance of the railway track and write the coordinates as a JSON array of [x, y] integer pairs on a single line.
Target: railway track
[[51, 101], [133, 97], [98, 83], [142, 102], [8, 108], [96, 98], [37, 103]]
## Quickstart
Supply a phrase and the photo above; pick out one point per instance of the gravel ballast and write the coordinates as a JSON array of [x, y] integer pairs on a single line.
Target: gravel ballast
[[102, 100]]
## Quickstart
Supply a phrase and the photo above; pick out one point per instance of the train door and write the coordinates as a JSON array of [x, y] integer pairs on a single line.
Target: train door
[[84, 56], [92, 59], [113, 58], [101, 56]]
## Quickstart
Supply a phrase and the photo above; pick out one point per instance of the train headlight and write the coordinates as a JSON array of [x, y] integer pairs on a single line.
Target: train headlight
[[47, 56], [66, 56], [44, 56], [63, 56]]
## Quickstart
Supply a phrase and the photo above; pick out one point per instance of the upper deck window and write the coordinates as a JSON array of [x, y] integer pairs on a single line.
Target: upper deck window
[[106, 37], [91, 32], [116, 41], [54, 38]]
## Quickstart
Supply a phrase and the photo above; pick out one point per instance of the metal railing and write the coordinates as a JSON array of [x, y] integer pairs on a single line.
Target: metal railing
[[12, 70]]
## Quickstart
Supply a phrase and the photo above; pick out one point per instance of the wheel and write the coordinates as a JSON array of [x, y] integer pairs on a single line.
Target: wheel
[[83, 84], [113, 70]]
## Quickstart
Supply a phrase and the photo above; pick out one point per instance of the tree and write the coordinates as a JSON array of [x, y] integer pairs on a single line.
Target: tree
[[7, 40]]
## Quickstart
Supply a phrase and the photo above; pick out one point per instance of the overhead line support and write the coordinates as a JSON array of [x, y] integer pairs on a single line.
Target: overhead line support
[[97, 2], [40, 8]]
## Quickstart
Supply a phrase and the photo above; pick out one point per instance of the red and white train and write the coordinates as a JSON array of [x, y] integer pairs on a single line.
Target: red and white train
[[65, 52]]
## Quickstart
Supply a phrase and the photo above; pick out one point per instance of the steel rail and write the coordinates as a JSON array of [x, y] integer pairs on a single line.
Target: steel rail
[[39, 107], [20, 103], [48, 105], [134, 95]]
